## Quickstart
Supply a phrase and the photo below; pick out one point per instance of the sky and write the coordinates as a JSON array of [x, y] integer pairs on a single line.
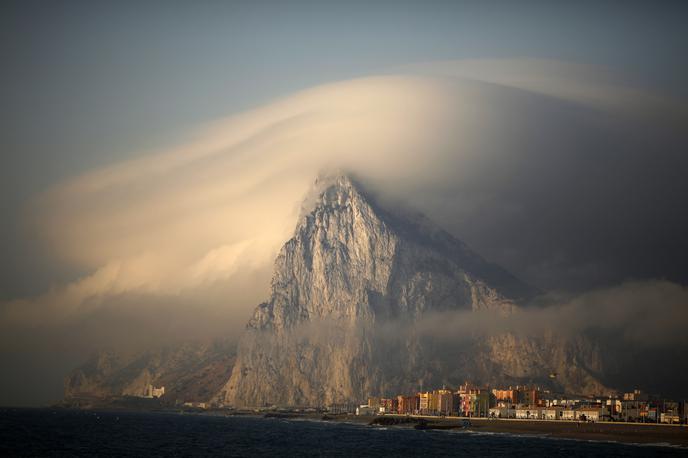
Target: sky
[[154, 155]]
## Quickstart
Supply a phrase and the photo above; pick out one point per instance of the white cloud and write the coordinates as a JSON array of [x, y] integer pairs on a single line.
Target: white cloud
[[182, 219]]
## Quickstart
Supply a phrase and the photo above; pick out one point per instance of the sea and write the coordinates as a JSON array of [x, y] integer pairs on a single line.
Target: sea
[[54, 432]]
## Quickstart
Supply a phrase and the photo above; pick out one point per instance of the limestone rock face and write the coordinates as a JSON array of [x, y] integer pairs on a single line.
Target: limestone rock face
[[349, 290], [190, 371]]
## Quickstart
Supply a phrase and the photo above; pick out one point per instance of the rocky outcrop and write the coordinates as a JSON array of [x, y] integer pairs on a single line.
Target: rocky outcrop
[[188, 371], [350, 292]]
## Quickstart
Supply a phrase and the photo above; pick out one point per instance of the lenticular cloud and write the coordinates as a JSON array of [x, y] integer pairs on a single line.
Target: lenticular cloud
[[465, 142]]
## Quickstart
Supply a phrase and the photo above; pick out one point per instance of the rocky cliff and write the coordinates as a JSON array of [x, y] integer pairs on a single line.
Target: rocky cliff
[[191, 371], [350, 294]]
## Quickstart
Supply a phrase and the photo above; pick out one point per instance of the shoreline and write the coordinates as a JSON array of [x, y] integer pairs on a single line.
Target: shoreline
[[625, 433], [629, 433]]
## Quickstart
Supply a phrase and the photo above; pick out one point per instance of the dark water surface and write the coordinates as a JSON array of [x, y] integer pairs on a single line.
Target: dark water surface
[[46, 432]]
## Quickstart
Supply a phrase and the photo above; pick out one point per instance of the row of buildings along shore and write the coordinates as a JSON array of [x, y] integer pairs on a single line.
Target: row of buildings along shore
[[526, 402]]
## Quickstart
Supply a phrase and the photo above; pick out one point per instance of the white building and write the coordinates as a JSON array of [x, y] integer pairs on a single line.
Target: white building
[[568, 414], [198, 405], [669, 418], [527, 413], [153, 392], [552, 413], [365, 409], [590, 414], [502, 412]]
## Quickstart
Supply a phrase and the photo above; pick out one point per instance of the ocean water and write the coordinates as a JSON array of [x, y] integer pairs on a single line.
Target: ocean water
[[46, 432]]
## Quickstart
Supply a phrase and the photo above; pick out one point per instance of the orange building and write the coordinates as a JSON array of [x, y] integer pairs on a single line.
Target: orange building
[[510, 395], [408, 404]]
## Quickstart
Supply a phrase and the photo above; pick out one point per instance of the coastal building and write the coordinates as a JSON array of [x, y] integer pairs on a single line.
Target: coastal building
[[408, 405], [635, 395], [648, 414], [434, 403], [591, 413], [509, 395], [527, 413], [482, 403], [528, 395], [389, 405], [551, 413], [614, 407], [631, 410], [445, 402], [424, 403], [339, 408], [568, 414], [566, 402], [502, 412], [474, 401], [669, 412], [153, 392], [669, 418], [466, 394], [366, 410], [467, 403], [196, 404]]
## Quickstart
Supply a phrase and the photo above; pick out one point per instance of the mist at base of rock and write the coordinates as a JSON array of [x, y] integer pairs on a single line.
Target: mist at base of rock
[[188, 372]]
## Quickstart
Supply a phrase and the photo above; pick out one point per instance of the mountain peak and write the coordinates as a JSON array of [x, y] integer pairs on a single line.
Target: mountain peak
[[337, 202], [329, 189], [351, 269]]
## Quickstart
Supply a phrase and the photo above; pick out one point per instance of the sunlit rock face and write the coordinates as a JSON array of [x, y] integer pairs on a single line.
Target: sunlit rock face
[[348, 292]]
